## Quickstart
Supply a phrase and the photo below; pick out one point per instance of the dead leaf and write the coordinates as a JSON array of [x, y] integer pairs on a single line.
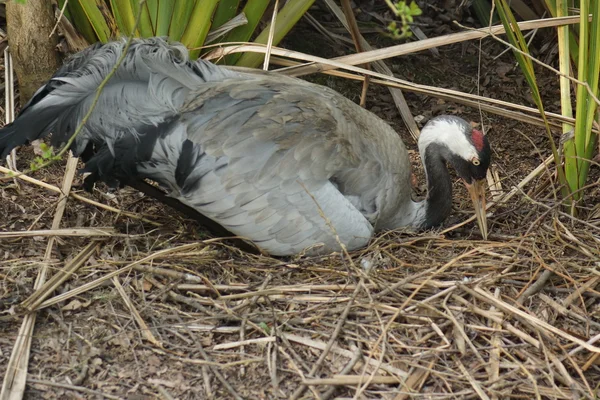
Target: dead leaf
[[76, 305], [146, 285]]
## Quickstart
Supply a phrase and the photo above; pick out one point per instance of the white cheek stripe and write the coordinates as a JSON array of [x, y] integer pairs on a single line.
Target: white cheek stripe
[[448, 133]]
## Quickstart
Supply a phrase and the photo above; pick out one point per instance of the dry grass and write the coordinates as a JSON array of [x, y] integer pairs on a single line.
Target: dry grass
[[412, 316]]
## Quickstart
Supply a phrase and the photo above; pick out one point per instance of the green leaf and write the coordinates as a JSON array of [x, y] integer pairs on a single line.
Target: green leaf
[[145, 27], [415, 10], [152, 6], [47, 153], [96, 18], [180, 17], [81, 22], [163, 19], [124, 15], [563, 35], [254, 10], [67, 12], [265, 327], [578, 154], [226, 10], [198, 26], [286, 19], [483, 9], [573, 45]]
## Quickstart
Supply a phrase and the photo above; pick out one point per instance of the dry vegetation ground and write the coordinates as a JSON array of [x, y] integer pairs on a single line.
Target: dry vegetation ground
[[429, 315]]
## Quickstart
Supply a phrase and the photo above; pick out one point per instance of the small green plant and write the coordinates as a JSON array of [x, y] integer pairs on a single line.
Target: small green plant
[[265, 327], [43, 159], [406, 13]]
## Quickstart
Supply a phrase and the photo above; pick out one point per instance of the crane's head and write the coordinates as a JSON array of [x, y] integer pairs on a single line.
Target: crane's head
[[467, 149]]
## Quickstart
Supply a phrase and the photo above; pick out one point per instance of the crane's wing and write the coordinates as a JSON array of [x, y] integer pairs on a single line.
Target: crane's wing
[[258, 153], [260, 156]]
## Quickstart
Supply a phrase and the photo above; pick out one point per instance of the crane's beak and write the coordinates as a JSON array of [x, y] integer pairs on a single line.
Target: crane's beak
[[477, 192]]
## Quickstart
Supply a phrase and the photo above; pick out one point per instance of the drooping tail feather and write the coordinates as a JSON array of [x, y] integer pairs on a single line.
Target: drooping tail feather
[[145, 93], [35, 121]]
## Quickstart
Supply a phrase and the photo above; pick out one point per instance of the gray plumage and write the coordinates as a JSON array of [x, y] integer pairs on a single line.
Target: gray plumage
[[278, 160]]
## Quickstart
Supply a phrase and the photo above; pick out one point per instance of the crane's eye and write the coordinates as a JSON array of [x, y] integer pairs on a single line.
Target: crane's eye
[[475, 161]]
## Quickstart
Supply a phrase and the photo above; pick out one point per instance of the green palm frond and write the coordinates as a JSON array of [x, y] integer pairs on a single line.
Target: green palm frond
[[186, 21]]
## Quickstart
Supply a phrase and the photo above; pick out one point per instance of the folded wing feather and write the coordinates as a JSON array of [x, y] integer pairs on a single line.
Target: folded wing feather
[[260, 157]]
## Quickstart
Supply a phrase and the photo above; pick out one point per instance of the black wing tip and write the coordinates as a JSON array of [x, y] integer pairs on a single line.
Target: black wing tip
[[10, 139]]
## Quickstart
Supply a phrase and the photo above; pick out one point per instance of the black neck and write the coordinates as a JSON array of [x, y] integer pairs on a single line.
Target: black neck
[[439, 186]]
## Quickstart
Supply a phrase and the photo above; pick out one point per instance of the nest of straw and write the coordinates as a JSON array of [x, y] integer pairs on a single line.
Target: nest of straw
[[166, 312]]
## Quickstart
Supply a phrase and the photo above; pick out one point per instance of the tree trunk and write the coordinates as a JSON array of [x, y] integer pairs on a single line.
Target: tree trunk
[[33, 49]]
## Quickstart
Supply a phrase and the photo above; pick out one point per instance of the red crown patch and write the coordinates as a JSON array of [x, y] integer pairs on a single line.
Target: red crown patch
[[477, 138]]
